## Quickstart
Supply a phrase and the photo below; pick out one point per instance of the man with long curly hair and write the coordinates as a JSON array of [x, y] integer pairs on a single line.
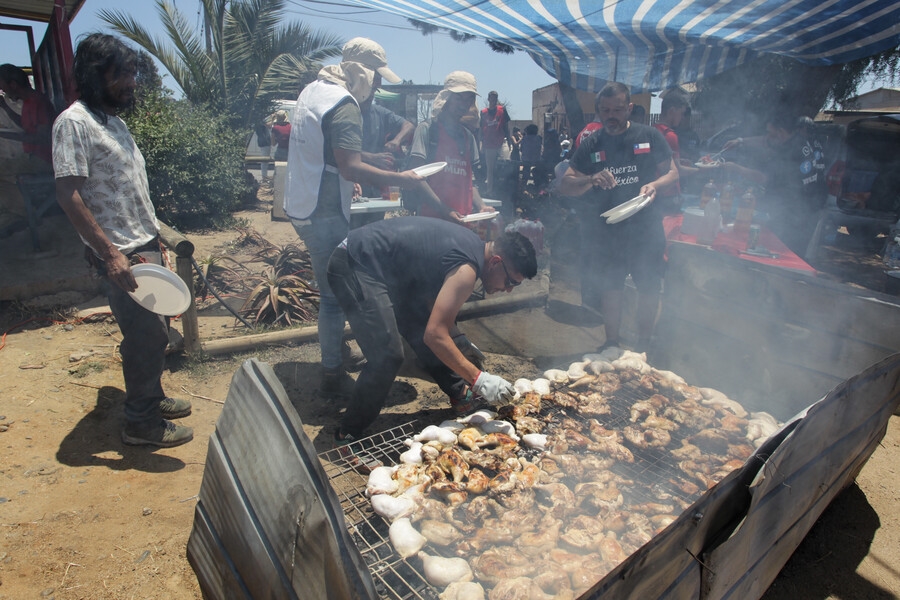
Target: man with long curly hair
[[101, 184]]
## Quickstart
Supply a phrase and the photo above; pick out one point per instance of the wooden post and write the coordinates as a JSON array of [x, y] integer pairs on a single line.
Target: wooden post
[[184, 253]]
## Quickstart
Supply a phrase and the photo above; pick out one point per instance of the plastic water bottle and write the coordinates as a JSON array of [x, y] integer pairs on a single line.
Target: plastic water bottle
[[712, 222], [744, 215], [708, 192], [726, 200]]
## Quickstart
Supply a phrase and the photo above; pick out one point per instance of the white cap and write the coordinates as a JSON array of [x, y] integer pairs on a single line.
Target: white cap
[[370, 54], [460, 81]]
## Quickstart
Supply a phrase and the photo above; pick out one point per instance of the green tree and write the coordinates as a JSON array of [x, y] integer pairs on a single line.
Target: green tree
[[194, 157], [251, 58]]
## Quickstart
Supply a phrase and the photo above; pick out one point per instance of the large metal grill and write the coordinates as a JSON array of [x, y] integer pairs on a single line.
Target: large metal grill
[[654, 471]]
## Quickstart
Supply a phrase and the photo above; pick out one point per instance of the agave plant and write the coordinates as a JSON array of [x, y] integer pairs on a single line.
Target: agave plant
[[227, 274], [289, 258], [281, 298]]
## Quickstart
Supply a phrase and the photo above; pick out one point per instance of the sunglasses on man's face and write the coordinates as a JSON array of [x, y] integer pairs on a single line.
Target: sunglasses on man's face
[[510, 282]]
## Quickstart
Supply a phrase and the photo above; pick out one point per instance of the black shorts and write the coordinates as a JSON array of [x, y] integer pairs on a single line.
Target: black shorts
[[611, 252]]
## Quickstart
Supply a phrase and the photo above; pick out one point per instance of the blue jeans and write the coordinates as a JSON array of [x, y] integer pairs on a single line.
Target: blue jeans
[[145, 336], [322, 236]]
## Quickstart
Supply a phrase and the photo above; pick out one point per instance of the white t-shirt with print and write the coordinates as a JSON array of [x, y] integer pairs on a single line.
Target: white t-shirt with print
[[116, 191]]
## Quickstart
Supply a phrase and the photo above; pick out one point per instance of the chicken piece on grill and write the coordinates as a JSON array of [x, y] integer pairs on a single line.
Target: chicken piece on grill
[[482, 460], [408, 476], [541, 386], [732, 422], [469, 437], [392, 508], [556, 376], [529, 474], [441, 571], [564, 399], [435, 473], [593, 405], [532, 401], [404, 538], [712, 441], [691, 419], [494, 531], [576, 370], [476, 481], [588, 572], [626, 375], [640, 410], [722, 403], [601, 497], [528, 424], [431, 450], [582, 382], [504, 481], [501, 562], [653, 508], [434, 433], [687, 451], [611, 550], [512, 588], [477, 509], [568, 465], [554, 582], [381, 481], [453, 464], [599, 433], [545, 538], [536, 441], [614, 450], [463, 590], [439, 532], [558, 496], [660, 522], [413, 456], [688, 488], [497, 443], [450, 492], [740, 451], [521, 499], [578, 540], [640, 530], [657, 422], [647, 438], [608, 383], [500, 426], [598, 366]]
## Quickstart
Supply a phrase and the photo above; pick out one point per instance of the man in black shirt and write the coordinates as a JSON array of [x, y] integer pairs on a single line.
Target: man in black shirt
[[615, 164], [409, 277]]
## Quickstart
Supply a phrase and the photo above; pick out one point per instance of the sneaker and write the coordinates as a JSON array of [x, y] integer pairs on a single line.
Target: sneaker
[[353, 357], [356, 453], [174, 408], [166, 434]]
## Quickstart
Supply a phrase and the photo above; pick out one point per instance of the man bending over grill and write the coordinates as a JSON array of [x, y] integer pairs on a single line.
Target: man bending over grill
[[409, 277]]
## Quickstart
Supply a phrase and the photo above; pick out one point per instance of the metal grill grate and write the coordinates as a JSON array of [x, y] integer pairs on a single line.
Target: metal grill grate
[[394, 577], [654, 470]]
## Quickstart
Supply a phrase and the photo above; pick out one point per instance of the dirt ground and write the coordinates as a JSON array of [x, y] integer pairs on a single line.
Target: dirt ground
[[82, 516]]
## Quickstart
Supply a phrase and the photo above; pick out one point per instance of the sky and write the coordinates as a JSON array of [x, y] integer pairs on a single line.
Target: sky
[[422, 59]]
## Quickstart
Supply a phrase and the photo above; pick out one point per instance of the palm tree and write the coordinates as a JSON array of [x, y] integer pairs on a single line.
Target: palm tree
[[250, 60]]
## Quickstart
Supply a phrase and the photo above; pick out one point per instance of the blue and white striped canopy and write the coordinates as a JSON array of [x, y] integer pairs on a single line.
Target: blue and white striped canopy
[[655, 44]]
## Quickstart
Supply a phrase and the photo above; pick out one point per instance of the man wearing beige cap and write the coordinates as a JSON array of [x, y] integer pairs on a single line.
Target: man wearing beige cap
[[443, 138], [323, 161]]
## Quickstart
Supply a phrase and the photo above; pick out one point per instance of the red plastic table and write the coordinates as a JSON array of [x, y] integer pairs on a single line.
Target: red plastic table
[[735, 243]]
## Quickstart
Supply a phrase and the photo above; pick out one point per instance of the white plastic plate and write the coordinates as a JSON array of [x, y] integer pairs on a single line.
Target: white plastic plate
[[629, 209], [429, 169], [160, 290], [479, 216]]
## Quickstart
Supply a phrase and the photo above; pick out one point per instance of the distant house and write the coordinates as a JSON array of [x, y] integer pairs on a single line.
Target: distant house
[[883, 101]]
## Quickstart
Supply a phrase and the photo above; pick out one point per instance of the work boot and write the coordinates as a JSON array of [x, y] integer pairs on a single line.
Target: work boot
[[335, 383], [164, 434], [353, 357], [174, 408]]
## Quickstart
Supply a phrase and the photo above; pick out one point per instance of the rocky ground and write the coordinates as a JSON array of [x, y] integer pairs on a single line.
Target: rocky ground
[[83, 516]]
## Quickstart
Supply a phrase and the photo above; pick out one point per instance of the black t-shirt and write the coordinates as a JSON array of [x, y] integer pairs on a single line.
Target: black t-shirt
[[797, 176], [413, 255], [632, 157]]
